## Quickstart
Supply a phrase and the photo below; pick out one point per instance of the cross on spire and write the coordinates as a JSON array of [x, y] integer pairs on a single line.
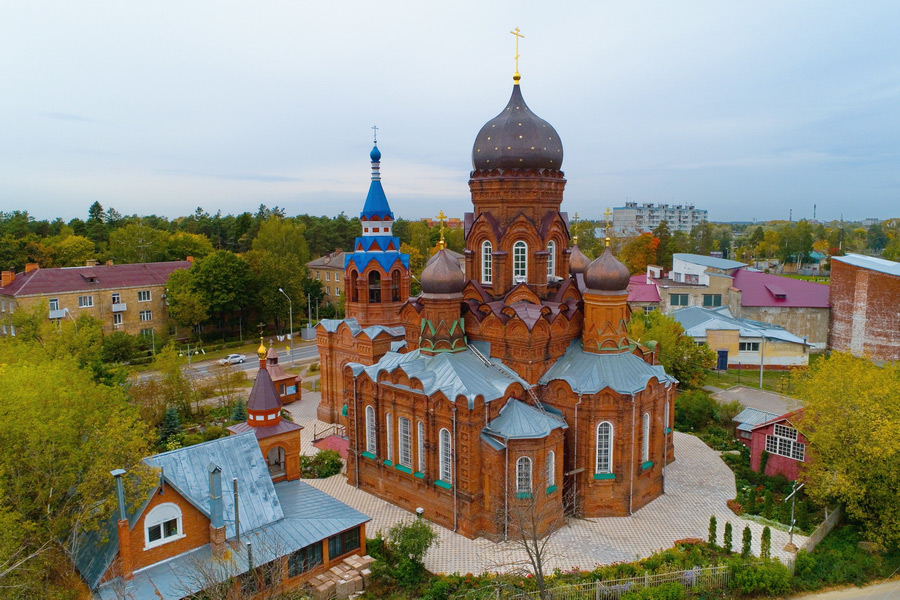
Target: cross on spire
[[441, 218], [375, 134], [518, 34], [574, 226], [608, 215]]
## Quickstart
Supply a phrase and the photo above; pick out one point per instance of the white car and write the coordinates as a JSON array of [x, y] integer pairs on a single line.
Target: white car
[[232, 359]]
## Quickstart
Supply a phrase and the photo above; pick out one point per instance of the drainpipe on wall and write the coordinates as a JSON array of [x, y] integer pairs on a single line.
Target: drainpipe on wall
[[575, 459], [356, 429], [506, 497], [455, 469], [631, 478], [123, 529]]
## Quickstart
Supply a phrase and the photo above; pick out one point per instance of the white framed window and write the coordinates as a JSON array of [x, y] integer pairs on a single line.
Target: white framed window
[[371, 446], [327, 275], [318, 275], [388, 436], [604, 447], [551, 258], [147, 332], [785, 432], [784, 443], [551, 468], [85, 301], [487, 262], [117, 297], [645, 439], [748, 346], [146, 315], [523, 475], [54, 304], [420, 446], [143, 295], [162, 525], [520, 261], [404, 437], [328, 290], [446, 456], [117, 319]]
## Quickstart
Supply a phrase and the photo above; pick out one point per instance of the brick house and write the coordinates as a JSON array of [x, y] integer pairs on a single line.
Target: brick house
[[865, 315], [785, 444], [128, 298], [329, 269]]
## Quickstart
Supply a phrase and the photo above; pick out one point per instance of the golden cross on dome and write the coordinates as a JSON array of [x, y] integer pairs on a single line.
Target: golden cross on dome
[[518, 35], [441, 218], [608, 215], [574, 226]]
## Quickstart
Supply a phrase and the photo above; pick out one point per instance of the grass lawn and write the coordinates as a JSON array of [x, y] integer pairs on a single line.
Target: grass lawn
[[814, 278], [773, 381]]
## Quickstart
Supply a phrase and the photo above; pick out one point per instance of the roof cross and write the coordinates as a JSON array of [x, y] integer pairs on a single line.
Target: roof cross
[[608, 215], [518, 35], [575, 228], [441, 217], [375, 134]]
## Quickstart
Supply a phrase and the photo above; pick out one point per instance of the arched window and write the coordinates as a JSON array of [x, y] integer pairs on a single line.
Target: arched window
[[275, 460], [395, 286], [404, 438], [374, 287], [487, 262], [420, 446], [520, 262], [354, 290], [162, 525], [645, 439], [523, 475], [604, 447], [371, 446], [551, 468], [446, 456], [388, 436], [551, 258]]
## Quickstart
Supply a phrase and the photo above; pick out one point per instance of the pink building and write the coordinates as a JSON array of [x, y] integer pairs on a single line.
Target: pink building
[[784, 443]]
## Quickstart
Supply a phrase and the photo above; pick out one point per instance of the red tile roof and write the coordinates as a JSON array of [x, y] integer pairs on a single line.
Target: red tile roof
[[763, 289], [641, 291], [105, 277]]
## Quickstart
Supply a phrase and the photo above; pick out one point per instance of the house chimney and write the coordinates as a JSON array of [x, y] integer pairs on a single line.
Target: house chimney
[[237, 513], [7, 277], [90, 263], [109, 263], [29, 267], [216, 511], [124, 531], [190, 259]]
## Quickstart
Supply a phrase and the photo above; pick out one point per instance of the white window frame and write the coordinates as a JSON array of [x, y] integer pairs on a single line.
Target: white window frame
[[420, 446], [520, 261], [371, 441], [146, 316], [117, 319], [54, 304], [784, 443], [604, 450], [645, 438], [85, 301], [158, 517], [327, 275], [116, 298], [523, 475], [487, 262], [551, 258], [551, 468], [446, 456], [404, 439], [388, 435], [144, 296]]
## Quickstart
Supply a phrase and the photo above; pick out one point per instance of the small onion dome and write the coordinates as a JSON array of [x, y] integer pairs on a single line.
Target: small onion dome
[[578, 262], [375, 154], [607, 274], [517, 139], [443, 275], [261, 351]]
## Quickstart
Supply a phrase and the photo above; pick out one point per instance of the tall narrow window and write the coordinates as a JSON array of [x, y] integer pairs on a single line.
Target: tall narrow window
[[604, 447], [395, 286], [645, 439], [404, 437], [520, 262], [551, 468], [551, 258], [374, 287], [487, 262], [446, 456], [354, 290], [388, 437], [420, 446], [371, 446], [523, 475]]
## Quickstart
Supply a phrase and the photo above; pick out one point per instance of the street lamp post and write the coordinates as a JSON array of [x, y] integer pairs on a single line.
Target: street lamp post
[[291, 319]]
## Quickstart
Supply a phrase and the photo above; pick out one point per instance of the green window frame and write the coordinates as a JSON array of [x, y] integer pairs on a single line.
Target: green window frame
[[712, 300], [678, 299]]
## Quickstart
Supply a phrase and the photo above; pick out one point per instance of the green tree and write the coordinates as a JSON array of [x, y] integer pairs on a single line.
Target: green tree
[[72, 250], [664, 249], [727, 542], [765, 543], [171, 424], [851, 418], [224, 281], [138, 243], [712, 530], [272, 272], [187, 305], [282, 237], [183, 244], [746, 542], [678, 353], [405, 547]]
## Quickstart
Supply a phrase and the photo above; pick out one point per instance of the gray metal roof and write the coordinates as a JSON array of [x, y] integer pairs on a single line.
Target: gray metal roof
[[708, 261], [697, 321], [455, 374], [518, 420], [870, 262], [371, 332], [750, 417], [588, 373]]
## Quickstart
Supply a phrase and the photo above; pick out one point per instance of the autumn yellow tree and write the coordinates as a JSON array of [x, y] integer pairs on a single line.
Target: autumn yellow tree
[[851, 420]]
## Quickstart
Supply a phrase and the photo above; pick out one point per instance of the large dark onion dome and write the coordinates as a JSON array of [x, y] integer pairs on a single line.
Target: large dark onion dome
[[607, 274], [443, 275], [517, 139], [578, 262]]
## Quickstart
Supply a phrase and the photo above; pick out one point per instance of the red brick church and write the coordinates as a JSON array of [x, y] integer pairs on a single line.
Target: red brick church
[[510, 384]]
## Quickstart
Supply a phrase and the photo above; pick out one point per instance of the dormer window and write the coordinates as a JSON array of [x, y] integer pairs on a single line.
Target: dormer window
[[162, 525]]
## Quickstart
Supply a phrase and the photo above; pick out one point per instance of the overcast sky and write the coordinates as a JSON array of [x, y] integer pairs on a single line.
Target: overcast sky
[[747, 109]]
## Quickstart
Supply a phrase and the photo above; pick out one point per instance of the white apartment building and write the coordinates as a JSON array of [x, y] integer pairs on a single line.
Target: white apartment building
[[636, 218]]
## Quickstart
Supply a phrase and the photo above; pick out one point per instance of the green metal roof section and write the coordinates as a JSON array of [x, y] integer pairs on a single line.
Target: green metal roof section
[[519, 421], [697, 321], [588, 373]]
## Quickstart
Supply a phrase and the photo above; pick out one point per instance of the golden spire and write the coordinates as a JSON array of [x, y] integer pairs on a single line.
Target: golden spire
[[516, 76], [441, 243], [608, 215], [261, 351], [574, 225]]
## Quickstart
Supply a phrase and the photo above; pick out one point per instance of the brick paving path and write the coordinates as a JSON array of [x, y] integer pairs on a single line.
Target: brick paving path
[[698, 484]]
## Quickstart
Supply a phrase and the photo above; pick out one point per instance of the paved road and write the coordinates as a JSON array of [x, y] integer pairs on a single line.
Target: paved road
[[881, 591], [302, 353], [756, 398]]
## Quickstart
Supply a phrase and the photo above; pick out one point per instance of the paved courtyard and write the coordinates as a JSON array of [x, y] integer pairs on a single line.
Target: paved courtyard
[[698, 484], [757, 398]]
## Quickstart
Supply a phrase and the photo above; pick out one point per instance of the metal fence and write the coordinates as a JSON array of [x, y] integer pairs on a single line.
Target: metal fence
[[831, 519], [694, 580]]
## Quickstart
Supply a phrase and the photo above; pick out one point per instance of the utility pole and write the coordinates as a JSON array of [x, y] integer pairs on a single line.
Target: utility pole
[[792, 497], [291, 318]]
